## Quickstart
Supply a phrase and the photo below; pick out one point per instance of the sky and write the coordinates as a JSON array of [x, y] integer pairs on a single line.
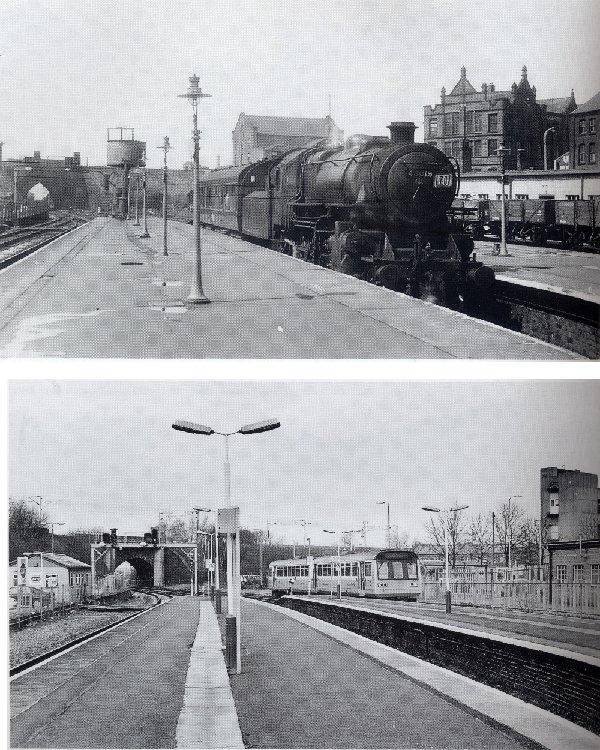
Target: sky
[[103, 453], [69, 69]]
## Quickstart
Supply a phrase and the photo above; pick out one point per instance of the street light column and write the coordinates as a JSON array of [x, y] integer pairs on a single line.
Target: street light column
[[136, 223], [196, 295], [144, 207], [502, 151]]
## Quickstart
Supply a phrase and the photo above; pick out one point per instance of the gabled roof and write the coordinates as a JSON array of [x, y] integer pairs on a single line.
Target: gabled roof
[[558, 105], [463, 86], [301, 126], [57, 559], [591, 105]]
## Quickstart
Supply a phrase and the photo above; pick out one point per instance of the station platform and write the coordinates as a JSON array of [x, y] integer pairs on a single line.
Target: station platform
[[157, 680], [308, 683], [571, 272], [101, 291], [575, 635]]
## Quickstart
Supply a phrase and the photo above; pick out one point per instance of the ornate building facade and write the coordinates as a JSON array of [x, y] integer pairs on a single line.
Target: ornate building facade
[[471, 125]]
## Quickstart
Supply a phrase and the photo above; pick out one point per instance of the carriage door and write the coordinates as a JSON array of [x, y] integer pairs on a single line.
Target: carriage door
[[361, 578]]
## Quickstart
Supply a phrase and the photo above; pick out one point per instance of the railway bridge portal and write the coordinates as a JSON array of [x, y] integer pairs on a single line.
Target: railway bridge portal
[[155, 564]]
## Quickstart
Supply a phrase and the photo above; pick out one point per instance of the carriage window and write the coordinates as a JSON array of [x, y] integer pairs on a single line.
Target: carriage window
[[383, 572], [368, 569], [354, 569], [411, 570]]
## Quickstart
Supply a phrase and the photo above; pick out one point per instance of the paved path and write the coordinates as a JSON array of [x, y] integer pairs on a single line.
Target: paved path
[[577, 635], [572, 272], [101, 291], [124, 689], [298, 688]]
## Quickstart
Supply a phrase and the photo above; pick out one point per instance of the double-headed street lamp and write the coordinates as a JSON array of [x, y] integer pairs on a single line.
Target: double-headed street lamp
[[194, 93], [233, 593], [445, 515]]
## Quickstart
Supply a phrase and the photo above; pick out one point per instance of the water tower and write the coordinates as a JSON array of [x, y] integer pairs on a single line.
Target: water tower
[[124, 152]]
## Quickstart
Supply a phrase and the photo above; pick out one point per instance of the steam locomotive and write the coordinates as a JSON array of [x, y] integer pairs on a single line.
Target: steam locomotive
[[375, 208]]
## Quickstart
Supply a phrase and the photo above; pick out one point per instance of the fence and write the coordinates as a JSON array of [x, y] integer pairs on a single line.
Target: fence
[[583, 598], [27, 602]]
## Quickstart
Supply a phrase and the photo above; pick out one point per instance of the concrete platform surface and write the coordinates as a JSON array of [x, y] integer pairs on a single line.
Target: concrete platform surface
[[101, 291], [302, 687], [574, 635], [437, 707], [569, 271], [132, 687]]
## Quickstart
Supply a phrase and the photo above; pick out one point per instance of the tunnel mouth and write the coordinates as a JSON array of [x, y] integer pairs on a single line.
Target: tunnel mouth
[[144, 570]]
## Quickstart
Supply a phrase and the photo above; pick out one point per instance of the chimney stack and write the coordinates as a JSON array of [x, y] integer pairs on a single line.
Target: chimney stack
[[402, 132]]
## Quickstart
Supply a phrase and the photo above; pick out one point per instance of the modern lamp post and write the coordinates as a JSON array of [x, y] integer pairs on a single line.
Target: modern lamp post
[[388, 533], [445, 515], [166, 146], [233, 583], [194, 93], [502, 151]]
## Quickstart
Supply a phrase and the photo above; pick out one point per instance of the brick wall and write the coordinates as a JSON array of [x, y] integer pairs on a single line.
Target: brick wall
[[563, 686]]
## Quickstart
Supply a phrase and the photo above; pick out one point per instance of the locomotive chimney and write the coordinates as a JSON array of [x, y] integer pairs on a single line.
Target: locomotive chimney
[[402, 132]]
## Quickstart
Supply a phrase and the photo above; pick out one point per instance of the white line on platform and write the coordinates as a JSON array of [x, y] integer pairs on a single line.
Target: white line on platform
[[543, 727], [208, 717]]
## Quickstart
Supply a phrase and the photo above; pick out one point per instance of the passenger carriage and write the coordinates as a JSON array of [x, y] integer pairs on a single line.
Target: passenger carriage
[[390, 573]]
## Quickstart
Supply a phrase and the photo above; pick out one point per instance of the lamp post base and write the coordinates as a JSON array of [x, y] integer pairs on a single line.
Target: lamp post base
[[448, 602], [136, 223], [198, 298], [144, 236]]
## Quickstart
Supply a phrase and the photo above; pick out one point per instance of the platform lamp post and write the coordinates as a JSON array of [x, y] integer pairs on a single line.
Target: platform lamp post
[[166, 146], [52, 524], [388, 533], [136, 223], [213, 557], [194, 93], [145, 233], [509, 530], [233, 557], [445, 515], [502, 151]]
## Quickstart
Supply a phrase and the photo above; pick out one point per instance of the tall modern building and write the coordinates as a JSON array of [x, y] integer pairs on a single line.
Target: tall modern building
[[570, 504], [470, 125], [257, 137]]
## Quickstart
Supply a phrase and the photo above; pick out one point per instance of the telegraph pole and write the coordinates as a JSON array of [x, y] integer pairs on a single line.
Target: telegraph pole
[[166, 146]]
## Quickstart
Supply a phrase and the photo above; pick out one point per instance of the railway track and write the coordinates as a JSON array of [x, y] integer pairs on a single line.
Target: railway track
[[40, 658], [17, 244]]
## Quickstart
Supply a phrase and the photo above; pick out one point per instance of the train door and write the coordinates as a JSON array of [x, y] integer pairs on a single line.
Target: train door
[[361, 578]]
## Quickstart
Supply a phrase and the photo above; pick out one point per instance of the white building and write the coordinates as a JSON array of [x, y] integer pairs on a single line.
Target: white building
[[48, 570]]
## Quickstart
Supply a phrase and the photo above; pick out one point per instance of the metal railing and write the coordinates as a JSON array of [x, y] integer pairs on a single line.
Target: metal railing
[[523, 595]]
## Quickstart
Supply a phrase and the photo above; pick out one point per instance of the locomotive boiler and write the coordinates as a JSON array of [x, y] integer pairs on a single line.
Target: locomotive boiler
[[375, 208]]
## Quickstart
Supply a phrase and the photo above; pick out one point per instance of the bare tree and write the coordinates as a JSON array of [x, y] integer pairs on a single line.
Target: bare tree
[[508, 521], [456, 534], [526, 543], [480, 536]]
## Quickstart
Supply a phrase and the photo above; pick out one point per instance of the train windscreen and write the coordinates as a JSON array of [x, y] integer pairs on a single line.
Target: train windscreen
[[396, 570]]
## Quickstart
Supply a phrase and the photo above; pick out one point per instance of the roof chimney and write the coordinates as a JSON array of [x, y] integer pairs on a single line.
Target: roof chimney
[[402, 132]]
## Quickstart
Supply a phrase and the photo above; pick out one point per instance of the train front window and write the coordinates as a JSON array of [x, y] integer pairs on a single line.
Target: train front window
[[396, 569]]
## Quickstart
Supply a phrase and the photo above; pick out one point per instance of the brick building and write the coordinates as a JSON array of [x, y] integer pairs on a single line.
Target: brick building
[[574, 562], [256, 137], [583, 152], [470, 125], [569, 504]]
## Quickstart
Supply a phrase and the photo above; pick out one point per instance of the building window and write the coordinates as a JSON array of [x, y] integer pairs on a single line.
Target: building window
[[561, 573], [578, 573], [476, 148], [455, 149], [547, 197], [592, 152], [433, 127], [483, 196], [553, 532], [477, 122], [492, 147], [447, 148], [469, 122], [522, 196], [493, 122], [581, 153], [451, 124], [595, 573], [581, 127], [592, 125]]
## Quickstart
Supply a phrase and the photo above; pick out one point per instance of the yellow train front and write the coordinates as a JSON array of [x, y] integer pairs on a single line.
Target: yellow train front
[[386, 574]]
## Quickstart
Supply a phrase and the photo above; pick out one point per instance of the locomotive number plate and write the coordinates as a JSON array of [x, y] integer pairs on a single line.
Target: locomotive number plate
[[442, 180]]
